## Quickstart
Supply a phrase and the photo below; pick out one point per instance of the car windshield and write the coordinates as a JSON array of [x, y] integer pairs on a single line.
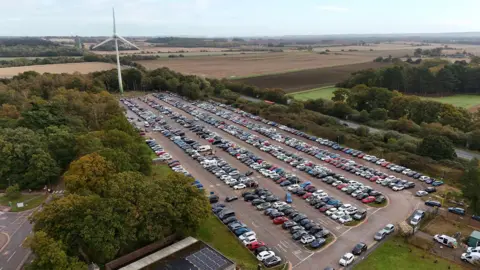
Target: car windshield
[[346, 257], [359, 246]]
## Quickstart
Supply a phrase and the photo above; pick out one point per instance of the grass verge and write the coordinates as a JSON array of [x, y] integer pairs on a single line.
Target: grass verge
[[160, 169], [378, 205], [219, 237], [322, 92], [30, 201], [395, 254], [353, 223]]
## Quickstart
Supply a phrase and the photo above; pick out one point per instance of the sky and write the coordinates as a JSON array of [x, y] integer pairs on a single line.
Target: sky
[[245, 18]]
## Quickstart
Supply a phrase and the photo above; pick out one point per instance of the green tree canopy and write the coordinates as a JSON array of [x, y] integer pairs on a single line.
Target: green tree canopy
[[437, 147]]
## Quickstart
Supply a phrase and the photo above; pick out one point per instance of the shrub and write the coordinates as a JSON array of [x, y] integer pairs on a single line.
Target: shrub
[[13, 192]]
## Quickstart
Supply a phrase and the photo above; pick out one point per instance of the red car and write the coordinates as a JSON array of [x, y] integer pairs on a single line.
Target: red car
[[374, 178], [341, 186], [385, 164], [279, 220], [369, 199], [361, 155], [307, 195], [255, 245]]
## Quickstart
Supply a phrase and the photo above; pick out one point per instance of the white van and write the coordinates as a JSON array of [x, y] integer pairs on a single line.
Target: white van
[[204, 148], [446, 240], [473, 249], [473, 258]]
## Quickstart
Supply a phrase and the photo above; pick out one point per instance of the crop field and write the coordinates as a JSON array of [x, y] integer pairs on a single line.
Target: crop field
[[471, 102], [310, 79], [56, 68], [322, 92], [251, 65]]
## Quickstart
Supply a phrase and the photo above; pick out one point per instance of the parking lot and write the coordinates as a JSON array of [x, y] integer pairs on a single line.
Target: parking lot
[[400, 203]]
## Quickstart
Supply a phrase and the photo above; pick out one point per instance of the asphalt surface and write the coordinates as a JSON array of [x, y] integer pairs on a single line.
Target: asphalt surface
[[401, 204], [460, 152], [17, 227]]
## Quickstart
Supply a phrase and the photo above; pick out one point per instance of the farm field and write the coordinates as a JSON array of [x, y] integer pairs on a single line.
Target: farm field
[[57, 68], [322, 92], [464, 101], [310, 79], [237, 66]]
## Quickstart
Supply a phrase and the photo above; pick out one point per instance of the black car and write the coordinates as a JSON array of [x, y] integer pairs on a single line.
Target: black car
[[322, 234], [289, 224], [409, 185], [231, 198], [430, 189], [250, 197], [213, 198], [380, 199], [257, 202], [319, 205], [304, 222], [245, 193], [300, 217], [433, 203], [359, 248], [261, 249]]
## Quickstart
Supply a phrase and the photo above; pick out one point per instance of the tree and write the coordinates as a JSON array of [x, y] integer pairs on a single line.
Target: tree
[[13, 192], [471, 181], [89, 174], [379, 114], [341, 109], [437, 147], [50, 254], [61, 144], [340, 95], [295, 106]]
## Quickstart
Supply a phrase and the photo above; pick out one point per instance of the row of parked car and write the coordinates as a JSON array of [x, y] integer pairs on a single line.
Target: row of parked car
[[303, 229], [211, 106], [247, 236]]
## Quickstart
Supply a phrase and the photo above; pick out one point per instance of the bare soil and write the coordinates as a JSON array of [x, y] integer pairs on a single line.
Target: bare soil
[[233, 66], [56, 68]]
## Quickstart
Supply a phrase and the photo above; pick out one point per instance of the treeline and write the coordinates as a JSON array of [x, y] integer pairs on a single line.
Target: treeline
[[35, 47], [67, 126], [128, 60], [193, 42], [436, 78]]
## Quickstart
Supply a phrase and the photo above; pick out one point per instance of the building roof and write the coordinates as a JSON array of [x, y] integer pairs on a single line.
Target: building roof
[[188, 253], [475, 234]]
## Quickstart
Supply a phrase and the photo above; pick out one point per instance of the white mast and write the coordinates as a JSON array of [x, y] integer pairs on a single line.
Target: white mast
[[115, 38]]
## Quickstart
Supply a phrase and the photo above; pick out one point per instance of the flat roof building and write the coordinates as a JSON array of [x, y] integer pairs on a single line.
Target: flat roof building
[[187, 254]]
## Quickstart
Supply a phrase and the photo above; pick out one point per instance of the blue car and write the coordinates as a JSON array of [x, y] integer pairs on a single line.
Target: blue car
[[433, 203], [305, 184], [288, 197], [320, 242], [476, 217], [437, 183], [457, 210], [241, 231]]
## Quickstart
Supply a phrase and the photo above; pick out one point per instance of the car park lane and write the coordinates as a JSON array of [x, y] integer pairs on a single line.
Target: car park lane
[[346, 240], [272, 234]]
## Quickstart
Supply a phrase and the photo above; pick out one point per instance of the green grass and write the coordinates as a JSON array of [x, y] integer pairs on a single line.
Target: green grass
[[395, 254], [160, 169], [322, 92], [464, 101], [219, 237], [353, 223], [30, 201]]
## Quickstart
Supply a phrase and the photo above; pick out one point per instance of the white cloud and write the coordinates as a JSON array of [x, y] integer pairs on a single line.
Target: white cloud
[[332, 8]]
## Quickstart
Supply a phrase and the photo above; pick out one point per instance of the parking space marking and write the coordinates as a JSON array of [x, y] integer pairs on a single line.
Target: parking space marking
[[218, 185], [211, 186], [282, 248], [285, 243], [255, 225]]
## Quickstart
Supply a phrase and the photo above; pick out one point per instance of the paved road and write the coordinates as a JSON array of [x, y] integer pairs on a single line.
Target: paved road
[[460, 152], [401, 204], [17, 227]]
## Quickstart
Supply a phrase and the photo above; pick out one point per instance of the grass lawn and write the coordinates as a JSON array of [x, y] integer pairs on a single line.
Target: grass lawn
[[30, 201], [395, 254], [219, 237], [464, 101], [161, 169], [322, 92]]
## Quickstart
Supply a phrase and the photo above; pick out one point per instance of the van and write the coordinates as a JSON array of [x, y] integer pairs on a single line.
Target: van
[[473, 249], [204, 148], [472, 258], [445, 240]]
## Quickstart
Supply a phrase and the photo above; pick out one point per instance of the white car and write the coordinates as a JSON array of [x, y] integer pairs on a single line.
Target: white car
[[345, 207], [239, 186], [415, 220], [423, 178], [278, 204], [293, 187], [346, 259], [345, 219], [225, 177], [246, 235], [421, 193], [397, 188], [230, 181], [250, 239], [265, 255], [337, 215], [351, 211], [307, 238], [331, 211]]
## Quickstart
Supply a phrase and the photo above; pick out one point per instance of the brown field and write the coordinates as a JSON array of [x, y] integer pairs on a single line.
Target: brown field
[[56, 68], [309, 79], [232, 66], [146, 49]]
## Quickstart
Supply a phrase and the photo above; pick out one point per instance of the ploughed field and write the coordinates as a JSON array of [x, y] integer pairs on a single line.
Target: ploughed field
[[57, 68]]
